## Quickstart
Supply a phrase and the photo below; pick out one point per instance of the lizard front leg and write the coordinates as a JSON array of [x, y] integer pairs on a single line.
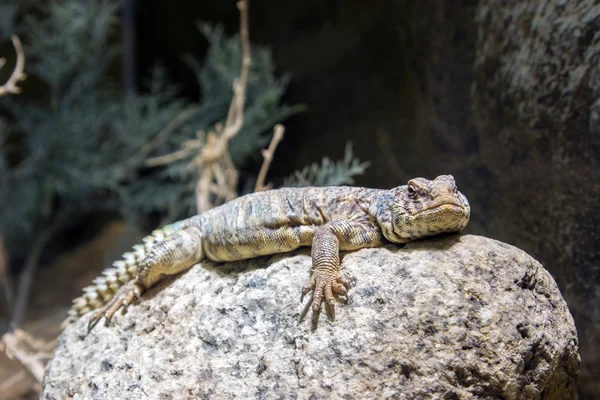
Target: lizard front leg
[[327, 241], [177, 252]]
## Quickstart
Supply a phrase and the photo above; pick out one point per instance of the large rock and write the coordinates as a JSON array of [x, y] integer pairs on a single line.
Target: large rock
[[454, 317], [536, 105]]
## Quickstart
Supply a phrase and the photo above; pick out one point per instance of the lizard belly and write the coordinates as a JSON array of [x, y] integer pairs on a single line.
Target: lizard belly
[[254, 241]]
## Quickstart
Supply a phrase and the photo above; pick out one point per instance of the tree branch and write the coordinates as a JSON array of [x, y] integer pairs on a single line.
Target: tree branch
[[175, 123], [214, 159], [28, 351], [235, 116], [268, 157], [218, 177], [18, 73]]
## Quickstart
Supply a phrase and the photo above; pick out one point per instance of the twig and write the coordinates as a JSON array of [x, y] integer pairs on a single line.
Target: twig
[[168, 158], [17, 75], [27, 350], [268, 157], [174, 124], [189, 148], [235, 116], [214, 159], [218, 176], [203, 190], [16, 380]]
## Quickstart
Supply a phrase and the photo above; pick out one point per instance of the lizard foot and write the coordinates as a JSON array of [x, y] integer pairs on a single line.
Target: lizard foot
[[122, 298], [323, 285]]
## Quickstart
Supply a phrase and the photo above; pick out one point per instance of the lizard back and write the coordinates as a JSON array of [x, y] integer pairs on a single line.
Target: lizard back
[[280, 220]]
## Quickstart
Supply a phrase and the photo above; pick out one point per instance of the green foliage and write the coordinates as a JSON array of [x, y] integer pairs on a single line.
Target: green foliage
[[69, 47], [329, 173], [7, 14], [141, 118], [80, 145], [57, 143], [171, 189], [264, 90]]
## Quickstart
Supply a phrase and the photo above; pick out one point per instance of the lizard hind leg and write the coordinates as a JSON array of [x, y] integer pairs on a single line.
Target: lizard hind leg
[[121, 299], [174, 253]]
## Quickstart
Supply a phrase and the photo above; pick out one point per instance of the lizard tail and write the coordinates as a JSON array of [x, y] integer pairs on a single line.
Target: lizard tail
[[104, 287]]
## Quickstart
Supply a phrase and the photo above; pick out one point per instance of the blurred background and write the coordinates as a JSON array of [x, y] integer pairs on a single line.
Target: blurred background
[[103, 142]]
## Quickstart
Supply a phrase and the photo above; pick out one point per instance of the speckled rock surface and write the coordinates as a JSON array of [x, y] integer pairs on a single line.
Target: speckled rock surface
[[453, 317]]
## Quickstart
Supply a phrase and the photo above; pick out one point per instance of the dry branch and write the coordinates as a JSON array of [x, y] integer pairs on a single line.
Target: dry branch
[[17, 380], [268, 157], [188, 148], [218, 176], [18, 74], [30, 352], [177, 122]]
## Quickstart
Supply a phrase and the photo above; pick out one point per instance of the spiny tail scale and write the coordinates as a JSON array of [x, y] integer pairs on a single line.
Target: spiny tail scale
[[104, 287]]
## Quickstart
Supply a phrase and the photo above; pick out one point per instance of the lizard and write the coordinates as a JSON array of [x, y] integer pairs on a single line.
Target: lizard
[[328, 219]]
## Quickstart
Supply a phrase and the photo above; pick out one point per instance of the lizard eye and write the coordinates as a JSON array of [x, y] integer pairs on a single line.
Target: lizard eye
[[411, 191]]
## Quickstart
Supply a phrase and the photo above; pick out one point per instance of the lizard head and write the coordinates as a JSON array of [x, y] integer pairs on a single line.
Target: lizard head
[[425, 208]]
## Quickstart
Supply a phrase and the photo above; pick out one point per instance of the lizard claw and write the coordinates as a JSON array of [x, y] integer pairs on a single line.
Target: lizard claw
[[121, 299], [307, 288], [323, 286]]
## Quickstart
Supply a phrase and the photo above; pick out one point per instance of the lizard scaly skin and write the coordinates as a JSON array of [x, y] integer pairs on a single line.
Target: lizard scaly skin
[[328, 219]]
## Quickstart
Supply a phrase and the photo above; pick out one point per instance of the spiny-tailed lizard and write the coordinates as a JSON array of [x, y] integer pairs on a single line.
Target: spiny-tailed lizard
[[328, 219]]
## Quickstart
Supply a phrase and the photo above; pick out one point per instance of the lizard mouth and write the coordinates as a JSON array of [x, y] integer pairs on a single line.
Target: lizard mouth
[[452, 207]]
